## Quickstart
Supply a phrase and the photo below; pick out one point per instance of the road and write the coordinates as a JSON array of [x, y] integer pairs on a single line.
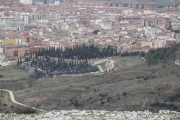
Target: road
[[14, 101], [100, 68]]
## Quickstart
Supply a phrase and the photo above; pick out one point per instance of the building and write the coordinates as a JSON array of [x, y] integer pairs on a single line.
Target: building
[[36, 49], [49, 2], [16, 41], [14, 22], [6, 47], [25, 18], [23, 1], [11, 21], [26, 2], [137, 5], [21, 52], [178, 38]]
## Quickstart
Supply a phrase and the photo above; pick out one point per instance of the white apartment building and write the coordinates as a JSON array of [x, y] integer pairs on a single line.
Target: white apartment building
[[26, 1], [25, 18], [23, 1]]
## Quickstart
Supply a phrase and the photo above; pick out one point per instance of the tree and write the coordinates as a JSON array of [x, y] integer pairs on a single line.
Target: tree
[[42, 67], [18, 63], [102, 102], [95, 32], [5, 105], [75, 103], [124, 94], [36, 70], [31, 63], [1, 76]]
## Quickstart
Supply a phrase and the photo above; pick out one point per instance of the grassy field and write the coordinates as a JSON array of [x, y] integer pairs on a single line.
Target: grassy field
[[9, 73], [125, 62], [143, 85], [103, 66], [6, 106]]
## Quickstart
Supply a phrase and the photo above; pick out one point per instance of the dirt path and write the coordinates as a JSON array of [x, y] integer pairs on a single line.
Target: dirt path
[[110, 65], [173, 88], [14, 101], [100, 61], [100, 68]]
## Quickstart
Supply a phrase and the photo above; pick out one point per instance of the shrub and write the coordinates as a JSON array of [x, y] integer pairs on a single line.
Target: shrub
[[162, 104], [178, 94], [145, 78], [156, 103], [7, 112], [102, 102], [76, 103], [138, 77], [1, 76], [172, 98], [71, 101], [124, 94], [25, 111], [151, 92], [171, 105], [154, 77], [109, 97], [5, 105], [175, 107], [103, 95]]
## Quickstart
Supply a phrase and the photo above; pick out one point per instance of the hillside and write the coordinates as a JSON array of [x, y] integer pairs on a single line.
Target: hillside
[[133, 86]]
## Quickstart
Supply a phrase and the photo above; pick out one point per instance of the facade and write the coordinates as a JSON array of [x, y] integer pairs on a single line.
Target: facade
[[26, 2], [17, 52], [137, 5], [25, 18], [178, 38], [14, 41], [23, 1], [35, 49], [11, 21], [14, 22], [6, 47]]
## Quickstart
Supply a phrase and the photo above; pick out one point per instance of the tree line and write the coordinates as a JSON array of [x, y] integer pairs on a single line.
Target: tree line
[[79, 52], [61, 66], [155, 56]]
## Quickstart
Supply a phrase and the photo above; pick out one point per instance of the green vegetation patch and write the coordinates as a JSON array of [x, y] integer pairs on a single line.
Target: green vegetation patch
[[103, 66], [10, 72]]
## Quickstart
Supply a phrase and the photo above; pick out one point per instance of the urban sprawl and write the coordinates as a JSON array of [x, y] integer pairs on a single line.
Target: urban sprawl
[[28, 27]]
